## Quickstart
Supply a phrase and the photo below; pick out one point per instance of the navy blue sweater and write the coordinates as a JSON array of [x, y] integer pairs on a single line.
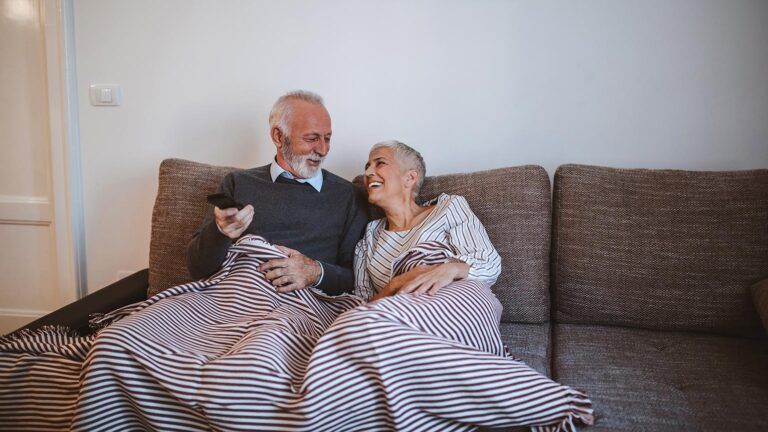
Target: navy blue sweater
[[323, 225]]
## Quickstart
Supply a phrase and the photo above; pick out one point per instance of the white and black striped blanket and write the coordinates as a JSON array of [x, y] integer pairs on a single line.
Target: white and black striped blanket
[[230, 353]]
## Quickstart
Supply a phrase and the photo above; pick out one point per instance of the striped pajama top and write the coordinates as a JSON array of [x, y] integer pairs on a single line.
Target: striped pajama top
[[451, 222]]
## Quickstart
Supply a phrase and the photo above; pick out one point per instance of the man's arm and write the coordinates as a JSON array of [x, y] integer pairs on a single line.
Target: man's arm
[[208, 247], [339, 278]]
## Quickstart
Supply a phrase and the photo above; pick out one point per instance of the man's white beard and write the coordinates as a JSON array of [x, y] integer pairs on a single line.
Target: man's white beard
[[299, 162]]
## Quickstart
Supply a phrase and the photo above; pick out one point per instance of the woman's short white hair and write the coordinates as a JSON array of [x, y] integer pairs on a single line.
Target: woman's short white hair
[[281, 112], [409, 159]]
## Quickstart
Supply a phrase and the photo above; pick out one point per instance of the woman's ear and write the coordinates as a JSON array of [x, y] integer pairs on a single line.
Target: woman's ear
[[410, 178]]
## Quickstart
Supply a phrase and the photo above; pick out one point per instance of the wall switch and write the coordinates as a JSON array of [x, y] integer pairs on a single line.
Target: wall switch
[[106, 94]]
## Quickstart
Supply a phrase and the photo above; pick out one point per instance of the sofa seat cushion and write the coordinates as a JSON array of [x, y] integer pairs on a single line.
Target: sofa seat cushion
[[530, 343], [665, 381]]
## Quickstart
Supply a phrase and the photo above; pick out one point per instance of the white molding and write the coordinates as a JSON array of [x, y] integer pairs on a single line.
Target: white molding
[[66, 177], [14, 319], [25, 210], [24, 313]]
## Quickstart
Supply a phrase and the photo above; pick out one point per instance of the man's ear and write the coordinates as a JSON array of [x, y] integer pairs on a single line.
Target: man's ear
[[277, 136]]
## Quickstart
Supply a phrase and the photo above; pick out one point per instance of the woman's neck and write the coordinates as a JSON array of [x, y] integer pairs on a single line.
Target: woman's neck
[[404, 216]]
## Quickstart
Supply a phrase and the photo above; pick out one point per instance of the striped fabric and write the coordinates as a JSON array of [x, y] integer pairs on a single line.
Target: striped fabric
[[230, 353], [451, 223], [432, 363], [39, 378], [218, 354]]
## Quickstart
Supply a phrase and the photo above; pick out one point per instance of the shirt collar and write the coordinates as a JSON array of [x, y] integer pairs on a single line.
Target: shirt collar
[[316, 181]]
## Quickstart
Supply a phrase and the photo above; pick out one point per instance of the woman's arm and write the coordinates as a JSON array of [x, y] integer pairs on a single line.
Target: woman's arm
[[363, 286], [434, 277], [470, 241], [474, 257], [397, 283]]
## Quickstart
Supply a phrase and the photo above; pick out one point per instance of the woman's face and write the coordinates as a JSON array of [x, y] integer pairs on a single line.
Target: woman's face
[[384, 179]]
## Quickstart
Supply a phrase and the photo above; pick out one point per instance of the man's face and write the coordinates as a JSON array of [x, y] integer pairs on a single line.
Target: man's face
[[303, 150]]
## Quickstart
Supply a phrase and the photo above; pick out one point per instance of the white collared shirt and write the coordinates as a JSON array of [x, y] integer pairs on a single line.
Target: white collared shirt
[[316, 181]]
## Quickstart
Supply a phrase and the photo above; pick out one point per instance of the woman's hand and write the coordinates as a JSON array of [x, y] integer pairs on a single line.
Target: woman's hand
[[425, 279], [437, 277], [397, 282]]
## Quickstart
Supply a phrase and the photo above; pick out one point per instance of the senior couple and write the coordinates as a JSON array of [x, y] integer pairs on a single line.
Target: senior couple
[[303, 318], [316, 219], [420, 350]]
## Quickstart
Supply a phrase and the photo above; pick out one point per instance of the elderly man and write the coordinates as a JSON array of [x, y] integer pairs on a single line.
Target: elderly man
[[313, 215]]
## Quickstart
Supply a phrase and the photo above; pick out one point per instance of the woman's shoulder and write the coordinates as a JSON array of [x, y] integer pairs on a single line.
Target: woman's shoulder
[[444, 203], [444, 198], [370, 235], [449, 201], [373, 226], [455, 207]]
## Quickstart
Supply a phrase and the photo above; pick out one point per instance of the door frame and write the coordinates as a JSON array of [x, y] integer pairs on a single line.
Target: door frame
[[64, 125]]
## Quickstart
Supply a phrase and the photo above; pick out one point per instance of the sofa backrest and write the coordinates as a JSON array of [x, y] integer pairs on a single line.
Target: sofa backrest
[[180, 208], [659, 249], [514, 205]]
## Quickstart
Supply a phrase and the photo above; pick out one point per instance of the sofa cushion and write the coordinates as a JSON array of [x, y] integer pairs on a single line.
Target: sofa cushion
[[530, 343], [659, 249], [760, 297], [665, 381], [179, 210], [514, 205]]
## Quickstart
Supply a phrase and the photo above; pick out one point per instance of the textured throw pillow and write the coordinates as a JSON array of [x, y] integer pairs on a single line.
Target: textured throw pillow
[[760, 297]]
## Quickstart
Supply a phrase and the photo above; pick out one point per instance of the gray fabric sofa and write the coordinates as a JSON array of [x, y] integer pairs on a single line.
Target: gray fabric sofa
[[652, 313], [633, 285]]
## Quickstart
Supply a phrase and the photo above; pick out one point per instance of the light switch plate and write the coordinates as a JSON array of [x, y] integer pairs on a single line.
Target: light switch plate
[[105, 94]]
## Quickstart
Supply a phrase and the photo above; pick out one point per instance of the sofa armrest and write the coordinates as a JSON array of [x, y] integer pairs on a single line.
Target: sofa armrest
[[76, 315]]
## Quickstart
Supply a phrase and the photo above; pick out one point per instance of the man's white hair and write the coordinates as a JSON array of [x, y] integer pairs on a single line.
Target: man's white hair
[[409, 159], [281, 112]]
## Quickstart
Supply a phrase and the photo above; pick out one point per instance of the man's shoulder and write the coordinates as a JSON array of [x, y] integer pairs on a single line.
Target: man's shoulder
[[334, 181], [261, 171], [257, 173]]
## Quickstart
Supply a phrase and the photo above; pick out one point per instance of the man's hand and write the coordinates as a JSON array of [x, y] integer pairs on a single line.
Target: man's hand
[[295, 272], [232, 222]]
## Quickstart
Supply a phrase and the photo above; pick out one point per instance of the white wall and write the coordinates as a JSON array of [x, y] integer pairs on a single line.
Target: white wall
[[471, 84]]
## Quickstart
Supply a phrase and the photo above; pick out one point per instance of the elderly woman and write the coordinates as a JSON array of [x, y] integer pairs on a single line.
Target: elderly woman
[[394, 175], [425, 352]]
